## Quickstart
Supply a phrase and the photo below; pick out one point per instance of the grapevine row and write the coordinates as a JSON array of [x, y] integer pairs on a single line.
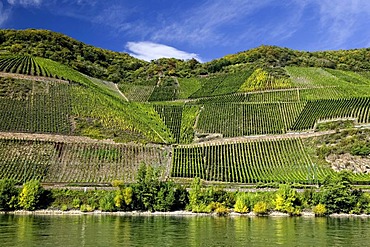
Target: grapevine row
[[23, 65], [313, 111], [171, 115], [241, 119], [48, 161], [282, 160], [42, 113]]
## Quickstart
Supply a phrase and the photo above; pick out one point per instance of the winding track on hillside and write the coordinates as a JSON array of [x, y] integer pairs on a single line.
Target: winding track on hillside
[[84, 139], [120, 92], [32, 77]]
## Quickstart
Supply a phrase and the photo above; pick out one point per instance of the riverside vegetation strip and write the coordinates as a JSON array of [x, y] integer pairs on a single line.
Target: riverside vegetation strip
[[148, 193], [268, 93]]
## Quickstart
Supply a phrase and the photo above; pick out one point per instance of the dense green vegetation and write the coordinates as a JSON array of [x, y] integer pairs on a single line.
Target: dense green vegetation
[[148, 193]]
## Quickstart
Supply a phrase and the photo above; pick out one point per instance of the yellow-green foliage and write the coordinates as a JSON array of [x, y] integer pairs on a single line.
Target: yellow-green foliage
[[241, 204], [117, 183], [220, 209], [319, 210], [115, 114], [261, 80], [86, 208], [123, 197], [287, 200], [260, 208], [189, 115], [30, 195]]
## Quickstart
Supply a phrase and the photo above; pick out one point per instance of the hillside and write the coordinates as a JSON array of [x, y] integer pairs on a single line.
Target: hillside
[[76, 113]]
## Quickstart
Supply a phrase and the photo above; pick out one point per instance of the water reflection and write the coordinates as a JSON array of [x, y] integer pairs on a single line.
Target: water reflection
[[90, 230]]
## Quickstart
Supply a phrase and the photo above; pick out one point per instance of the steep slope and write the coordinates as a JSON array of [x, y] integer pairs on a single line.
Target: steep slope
[[75, 105], [269, 114]]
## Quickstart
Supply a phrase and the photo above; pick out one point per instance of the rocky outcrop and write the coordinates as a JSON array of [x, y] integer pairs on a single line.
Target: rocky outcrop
[[356, 164]]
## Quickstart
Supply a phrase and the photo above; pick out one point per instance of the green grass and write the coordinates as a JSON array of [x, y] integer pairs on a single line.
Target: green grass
[[138, 93], [221, 84], [188, 86]]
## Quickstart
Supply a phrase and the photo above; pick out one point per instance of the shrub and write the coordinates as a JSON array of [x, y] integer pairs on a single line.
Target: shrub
[[76, 203], [64, 207], [319, 210], [86, 208], [287, 200], [8, 195], [260, 208], [106, 203], [221, 209], [117, 183], [201, 208], [30, 197], [337, 193], [242, 203]]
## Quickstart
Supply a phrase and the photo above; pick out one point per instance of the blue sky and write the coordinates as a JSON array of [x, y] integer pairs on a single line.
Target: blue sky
[[203, 29]]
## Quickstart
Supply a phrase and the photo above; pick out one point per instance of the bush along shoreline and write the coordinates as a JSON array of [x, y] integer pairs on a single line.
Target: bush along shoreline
[[148, 195]]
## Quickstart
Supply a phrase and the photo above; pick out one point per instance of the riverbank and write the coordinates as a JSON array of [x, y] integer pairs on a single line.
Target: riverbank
[[52, 212]]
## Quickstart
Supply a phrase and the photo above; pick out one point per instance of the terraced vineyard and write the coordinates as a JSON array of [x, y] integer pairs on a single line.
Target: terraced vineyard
[[167, 90], [239, 119], [221, 84], [137, 93], [22, 65], [358, 108], [170, 102], [282, 160], [45, 111], [171, 116], [48, 161]]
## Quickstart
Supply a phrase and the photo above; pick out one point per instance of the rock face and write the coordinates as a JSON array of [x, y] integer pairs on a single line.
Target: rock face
[[356, 164], [202, 137]]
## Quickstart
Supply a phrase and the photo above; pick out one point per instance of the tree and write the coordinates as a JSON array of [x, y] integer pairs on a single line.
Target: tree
[[8, 195], [165, 199], [30, 197], [338, 195], [147, 187]]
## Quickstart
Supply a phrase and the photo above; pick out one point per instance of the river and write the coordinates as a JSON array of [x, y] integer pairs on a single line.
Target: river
[[103, 230]]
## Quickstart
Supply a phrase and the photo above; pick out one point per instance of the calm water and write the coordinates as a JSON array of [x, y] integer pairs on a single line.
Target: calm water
[[87, 230]]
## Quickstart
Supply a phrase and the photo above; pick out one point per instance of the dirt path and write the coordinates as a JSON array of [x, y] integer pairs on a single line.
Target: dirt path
[[51, 137], [272, 137], [32, 78], [264, 137], [120, 92]]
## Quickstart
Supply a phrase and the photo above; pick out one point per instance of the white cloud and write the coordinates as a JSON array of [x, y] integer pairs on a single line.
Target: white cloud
[[340, 20], [149, 51], [4, 14], [203, 24], [25, 3]]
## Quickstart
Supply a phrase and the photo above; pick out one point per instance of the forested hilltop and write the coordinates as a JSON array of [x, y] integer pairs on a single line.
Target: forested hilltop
[[82, 114], [121, 67]]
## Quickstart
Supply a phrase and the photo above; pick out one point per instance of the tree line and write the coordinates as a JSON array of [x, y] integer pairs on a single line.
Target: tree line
[[149, 193]]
